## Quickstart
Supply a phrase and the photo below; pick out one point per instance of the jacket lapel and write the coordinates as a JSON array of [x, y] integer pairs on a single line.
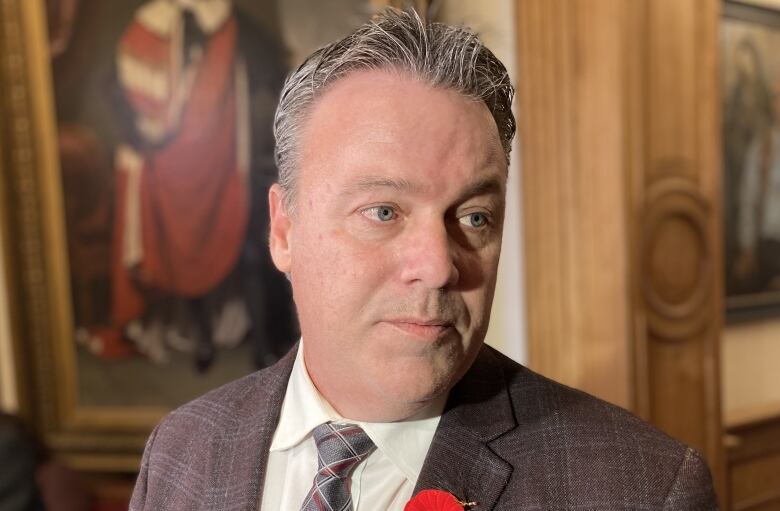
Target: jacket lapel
[[461, 460], [242, 452]]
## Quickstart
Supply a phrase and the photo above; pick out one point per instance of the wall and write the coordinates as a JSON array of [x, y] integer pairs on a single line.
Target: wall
[[772, 4], [751, 379]]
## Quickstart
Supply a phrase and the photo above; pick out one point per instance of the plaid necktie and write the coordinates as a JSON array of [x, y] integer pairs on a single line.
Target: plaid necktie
[[340, 447]]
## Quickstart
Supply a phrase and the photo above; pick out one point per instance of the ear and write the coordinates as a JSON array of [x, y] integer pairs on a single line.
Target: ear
[[279, 237]]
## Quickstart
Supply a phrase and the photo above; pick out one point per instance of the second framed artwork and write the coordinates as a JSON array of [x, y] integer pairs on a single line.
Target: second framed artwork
[[750, 67]]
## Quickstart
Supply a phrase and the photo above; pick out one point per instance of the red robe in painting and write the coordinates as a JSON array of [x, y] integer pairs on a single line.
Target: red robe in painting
[[181, 213]]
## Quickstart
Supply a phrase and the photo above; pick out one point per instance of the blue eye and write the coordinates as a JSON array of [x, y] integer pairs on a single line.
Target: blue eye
[[475, 220], [381, 213]]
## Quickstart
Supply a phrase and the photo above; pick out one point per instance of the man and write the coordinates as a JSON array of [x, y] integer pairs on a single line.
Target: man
[[392, 147]]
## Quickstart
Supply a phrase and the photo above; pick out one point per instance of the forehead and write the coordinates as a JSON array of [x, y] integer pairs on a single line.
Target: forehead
[[391, 123]]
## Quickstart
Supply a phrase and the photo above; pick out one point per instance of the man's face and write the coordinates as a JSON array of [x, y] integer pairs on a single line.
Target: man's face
[[393, 242]]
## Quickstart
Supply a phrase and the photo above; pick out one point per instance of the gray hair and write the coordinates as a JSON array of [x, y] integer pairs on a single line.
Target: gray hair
[[442, 55]]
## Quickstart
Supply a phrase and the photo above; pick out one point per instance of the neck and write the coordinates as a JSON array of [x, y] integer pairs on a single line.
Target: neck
[[356, 407], [354, 404]]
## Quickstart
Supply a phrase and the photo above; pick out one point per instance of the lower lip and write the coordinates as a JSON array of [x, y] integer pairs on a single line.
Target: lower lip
[[431, 332]]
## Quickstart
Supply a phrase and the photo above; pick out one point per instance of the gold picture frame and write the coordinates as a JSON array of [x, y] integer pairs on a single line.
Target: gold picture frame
[[38, 288], [32, 220]]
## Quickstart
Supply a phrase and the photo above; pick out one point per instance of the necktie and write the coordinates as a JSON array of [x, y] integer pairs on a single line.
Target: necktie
[[340, 447]]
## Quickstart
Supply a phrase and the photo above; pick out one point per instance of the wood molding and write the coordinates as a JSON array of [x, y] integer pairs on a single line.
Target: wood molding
[[680, 129], [571, 130]]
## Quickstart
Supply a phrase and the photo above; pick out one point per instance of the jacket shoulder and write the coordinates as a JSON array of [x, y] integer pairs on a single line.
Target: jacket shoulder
[[541, 402], [209, 450], [596, 453], [217, 411]]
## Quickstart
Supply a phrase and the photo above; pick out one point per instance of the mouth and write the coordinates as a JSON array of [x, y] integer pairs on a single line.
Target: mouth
[[425, 329]]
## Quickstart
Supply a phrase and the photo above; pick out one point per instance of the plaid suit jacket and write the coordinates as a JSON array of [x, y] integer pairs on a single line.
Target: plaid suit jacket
[[509, 439]]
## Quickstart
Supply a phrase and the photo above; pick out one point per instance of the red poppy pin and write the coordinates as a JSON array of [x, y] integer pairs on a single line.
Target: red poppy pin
[[437, 500]]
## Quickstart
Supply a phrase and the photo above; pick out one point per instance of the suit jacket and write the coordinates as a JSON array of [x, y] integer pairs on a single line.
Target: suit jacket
[[509, 439]]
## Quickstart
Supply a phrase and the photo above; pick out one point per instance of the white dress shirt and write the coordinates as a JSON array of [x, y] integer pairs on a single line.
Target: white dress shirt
[[383, 481]]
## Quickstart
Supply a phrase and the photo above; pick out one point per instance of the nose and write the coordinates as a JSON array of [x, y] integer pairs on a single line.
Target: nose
[[429, 257]]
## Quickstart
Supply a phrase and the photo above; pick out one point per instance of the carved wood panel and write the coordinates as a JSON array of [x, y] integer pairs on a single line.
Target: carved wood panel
[[679, 223]]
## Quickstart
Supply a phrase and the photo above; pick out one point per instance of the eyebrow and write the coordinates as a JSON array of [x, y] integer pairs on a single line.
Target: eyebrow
[[488, 186], [373, 182]]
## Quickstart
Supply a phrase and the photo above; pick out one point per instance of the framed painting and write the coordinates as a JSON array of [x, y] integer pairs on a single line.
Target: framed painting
[[750, 74], [136, 153]]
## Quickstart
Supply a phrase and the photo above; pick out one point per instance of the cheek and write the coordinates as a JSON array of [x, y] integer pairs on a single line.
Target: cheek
[[478, 270], [334, 266], [478, 288]]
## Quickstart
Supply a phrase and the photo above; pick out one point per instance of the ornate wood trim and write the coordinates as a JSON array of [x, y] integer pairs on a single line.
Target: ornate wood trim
[[676, 204], [23, 210], [678, 201]]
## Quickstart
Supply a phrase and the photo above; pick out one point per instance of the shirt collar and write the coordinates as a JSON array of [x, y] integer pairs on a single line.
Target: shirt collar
[[405, 443]]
